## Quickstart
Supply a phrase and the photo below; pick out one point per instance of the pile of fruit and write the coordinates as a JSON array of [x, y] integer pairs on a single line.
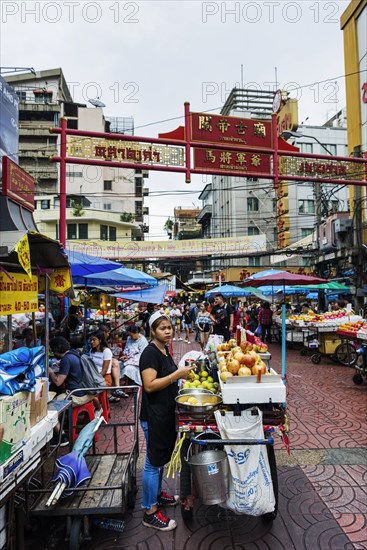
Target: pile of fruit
[[352, 327], [201, 381], [241, 360]]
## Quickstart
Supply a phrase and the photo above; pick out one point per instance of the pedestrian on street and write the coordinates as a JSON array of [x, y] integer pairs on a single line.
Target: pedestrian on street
[[265, 322], [204, 323], [159, 376], [188, 322], [222, 316]]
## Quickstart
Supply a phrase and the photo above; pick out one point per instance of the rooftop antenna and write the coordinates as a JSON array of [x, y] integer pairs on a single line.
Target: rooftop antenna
[[241, 76], [276, 78]]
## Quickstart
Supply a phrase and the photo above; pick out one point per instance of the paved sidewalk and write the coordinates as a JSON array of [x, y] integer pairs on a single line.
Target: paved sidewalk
[[322, 483]]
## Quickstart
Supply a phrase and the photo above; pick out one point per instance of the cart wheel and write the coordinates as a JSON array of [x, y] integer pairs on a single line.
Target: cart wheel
[[358, 379], [76, 537], [131, 493], [346, 354], [270, 516], [185, 481], [316, 358], [186, 514]]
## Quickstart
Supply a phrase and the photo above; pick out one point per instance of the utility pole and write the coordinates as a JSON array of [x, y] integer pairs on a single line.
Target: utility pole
[[357, 239]]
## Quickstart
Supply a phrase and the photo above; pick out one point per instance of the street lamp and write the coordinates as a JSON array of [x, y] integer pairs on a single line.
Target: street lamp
[[318, 188], [288, 134]]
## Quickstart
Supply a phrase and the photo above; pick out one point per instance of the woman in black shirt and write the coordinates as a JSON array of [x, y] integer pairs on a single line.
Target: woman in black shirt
[[159, 376]]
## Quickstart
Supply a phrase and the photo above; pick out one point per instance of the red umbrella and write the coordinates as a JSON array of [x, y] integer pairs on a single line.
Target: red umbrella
[[283, 278]]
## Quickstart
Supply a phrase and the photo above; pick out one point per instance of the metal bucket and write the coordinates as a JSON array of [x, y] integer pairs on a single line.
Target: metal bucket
[[210, 473]]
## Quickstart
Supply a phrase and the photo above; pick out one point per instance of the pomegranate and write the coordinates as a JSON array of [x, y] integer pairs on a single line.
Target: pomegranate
[[224, 375], [233, 366], [244, 371], [248, 360]]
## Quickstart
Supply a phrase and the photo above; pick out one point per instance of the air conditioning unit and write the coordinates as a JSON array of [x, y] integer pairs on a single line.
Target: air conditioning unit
[[342, 225]]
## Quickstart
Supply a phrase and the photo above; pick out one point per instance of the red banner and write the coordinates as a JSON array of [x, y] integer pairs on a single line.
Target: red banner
[[231, 130], [212, 160], [17, 184]]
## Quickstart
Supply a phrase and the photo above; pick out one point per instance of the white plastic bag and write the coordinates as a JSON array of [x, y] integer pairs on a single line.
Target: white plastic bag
[[251, 488]]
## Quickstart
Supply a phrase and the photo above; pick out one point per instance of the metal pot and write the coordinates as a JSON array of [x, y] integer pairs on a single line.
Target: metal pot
[[194, 391], [207, 402]]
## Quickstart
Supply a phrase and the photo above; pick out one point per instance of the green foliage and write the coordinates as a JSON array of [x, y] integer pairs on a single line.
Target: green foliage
[[127, 217]]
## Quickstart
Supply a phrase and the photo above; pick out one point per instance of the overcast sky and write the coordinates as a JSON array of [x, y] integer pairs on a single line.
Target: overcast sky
[[145, 59]]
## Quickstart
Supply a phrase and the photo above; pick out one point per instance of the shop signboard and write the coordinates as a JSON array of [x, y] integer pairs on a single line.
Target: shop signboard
[[140, 250], [9, 116], [18, 294], [124, 151], [212, 160], [231, 130], [17, 184]]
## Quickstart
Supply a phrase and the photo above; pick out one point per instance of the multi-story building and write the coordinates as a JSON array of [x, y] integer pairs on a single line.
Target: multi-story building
[[238, 206], [102, 203]]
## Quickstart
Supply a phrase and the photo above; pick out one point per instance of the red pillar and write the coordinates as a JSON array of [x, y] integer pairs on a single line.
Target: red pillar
[[275, 146], [187, 146], [62, 232]]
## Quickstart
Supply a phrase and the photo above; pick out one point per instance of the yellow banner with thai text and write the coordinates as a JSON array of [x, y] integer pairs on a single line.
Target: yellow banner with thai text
[[24, 255], [18, 294]]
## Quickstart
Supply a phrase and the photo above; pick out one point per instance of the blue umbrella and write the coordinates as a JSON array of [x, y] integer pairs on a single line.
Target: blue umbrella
[[73, 470], [153, 295], [84, 264], [119, 277], [228, 290]]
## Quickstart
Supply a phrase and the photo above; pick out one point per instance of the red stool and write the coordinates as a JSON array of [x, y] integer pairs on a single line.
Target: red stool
[[87, 410], [103, 399]]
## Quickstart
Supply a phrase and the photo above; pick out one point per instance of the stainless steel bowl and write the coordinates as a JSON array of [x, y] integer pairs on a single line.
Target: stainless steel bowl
[[194, 391], [207, 402]]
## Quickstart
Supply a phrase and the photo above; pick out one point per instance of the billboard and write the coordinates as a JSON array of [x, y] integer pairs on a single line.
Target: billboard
[[9, 116]]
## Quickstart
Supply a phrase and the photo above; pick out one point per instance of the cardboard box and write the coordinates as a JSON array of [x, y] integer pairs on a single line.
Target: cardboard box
[[15, 417], [38, 408]]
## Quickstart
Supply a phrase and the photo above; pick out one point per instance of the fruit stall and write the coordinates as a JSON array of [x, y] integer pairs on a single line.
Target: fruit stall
[[354, 348], [322, 335], [232, 406]]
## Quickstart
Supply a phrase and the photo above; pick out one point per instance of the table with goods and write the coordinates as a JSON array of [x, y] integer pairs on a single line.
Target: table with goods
[[322, 335], [354, 336], [227, 416], [27, 419]]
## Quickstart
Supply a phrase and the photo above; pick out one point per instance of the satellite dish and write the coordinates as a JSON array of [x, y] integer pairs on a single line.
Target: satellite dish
[[96, 103]]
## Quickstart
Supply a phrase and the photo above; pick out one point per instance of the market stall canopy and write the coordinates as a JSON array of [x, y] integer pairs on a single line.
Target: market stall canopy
[[83, 265], [123, 276], [282, 278], [227, 290], [153, 295], [46, 253]]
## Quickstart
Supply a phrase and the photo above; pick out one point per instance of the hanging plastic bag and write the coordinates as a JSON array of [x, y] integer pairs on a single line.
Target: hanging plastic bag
[[251, 488]]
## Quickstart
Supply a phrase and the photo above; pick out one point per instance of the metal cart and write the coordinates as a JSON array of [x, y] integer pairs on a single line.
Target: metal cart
[[195, 425], [111, 489]]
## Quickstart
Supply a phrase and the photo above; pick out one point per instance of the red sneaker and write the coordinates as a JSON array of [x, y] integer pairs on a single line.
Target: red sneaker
[[159, 521], [167, 500]]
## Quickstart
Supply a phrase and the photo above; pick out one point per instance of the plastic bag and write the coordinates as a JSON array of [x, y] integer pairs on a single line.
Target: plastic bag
[[258, 331], [251, 487]]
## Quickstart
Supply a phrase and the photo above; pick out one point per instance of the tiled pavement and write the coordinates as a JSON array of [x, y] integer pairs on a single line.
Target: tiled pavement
[[322, 484]]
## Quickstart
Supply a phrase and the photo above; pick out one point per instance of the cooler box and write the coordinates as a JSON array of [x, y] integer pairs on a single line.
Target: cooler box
[[246, 389]]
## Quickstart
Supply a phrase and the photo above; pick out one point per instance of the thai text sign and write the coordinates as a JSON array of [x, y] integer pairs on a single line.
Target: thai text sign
[[226, 129], [24, 255], [299, 166], [124, 151], [212, 160], [18, 294], [17, 184], [141, 250]]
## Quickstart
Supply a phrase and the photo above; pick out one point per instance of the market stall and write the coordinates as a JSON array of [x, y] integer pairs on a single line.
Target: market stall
[[240, 420]]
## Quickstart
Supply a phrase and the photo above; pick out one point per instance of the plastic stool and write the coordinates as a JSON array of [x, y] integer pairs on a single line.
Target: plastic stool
[[103, 399], [86, 409]]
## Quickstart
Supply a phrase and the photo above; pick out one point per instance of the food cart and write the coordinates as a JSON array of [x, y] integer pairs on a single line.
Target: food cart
[[198, 428]]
